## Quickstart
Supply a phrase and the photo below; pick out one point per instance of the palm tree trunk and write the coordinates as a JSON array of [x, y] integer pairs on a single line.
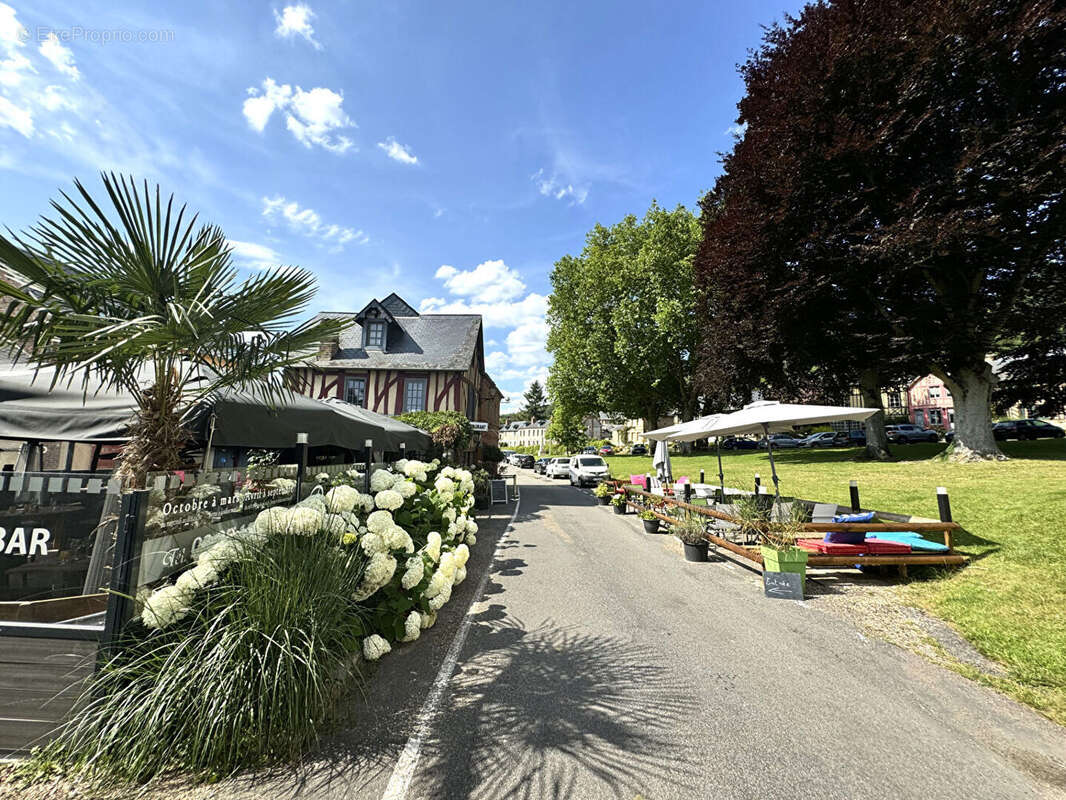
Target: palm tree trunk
[[157, 436]]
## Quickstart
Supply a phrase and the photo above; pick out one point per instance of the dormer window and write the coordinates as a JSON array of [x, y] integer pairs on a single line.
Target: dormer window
[[375, 334]]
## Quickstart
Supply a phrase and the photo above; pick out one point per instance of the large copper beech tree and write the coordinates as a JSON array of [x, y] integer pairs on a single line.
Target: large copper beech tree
[[896, 200]]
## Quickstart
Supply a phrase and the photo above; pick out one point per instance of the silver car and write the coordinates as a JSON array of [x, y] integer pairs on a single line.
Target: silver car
[[558, 468]]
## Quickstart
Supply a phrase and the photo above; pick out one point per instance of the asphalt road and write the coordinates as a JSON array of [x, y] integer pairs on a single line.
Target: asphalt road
[[597, 663]]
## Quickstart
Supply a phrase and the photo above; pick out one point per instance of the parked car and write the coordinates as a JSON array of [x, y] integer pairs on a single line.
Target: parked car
[[587, 470], [1027, 429], [780, 441], [638, 450], [606, 450], [905, 434], [525, 461], [589, 451], [854, 438], [558, 468], [507, 456], [540, 465], [823, 439], [738, 443]]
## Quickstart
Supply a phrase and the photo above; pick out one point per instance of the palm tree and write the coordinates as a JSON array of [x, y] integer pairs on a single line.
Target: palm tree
[[146, 300]]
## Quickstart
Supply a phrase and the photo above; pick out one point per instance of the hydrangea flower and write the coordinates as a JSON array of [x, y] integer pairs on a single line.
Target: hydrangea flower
[[412, 627], [413, 574], [388, 500], [460, 575], [437, 583], [199, 577], [374, 647], [433, 544], [272, 520], [382, 480], [439, 600], [444, 485], [396, 538], [349, 539], [378, 572], [417, 470], [428, 618], [285, 484], [305, 521], [462, 554], [335, 524], [448, 566], [165, 606], [379, 521], [406, 489], [341, 498], [373, 543], [471, 539]]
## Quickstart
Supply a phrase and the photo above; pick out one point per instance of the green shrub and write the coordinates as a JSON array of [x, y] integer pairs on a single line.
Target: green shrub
[[449, 429], [252, 675]]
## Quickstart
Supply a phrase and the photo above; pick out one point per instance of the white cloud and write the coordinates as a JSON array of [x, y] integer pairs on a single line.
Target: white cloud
[[307, 222], [488, 282], [60, 56], [553, 186], [256, 256], [314, 117], [397, 151], [16, 117], [736, 130], [498, 294], [296, 21], [14, 66]]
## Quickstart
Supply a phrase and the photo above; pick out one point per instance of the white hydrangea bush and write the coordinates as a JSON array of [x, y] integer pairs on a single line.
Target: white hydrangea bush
[[411, 535]]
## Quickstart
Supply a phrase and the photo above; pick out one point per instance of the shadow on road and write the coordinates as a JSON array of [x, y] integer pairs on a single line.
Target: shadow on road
[[541, 713]]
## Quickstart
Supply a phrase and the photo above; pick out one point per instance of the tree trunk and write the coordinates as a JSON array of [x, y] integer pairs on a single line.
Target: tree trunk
[[876, 439], [971, 390], [156, 437]]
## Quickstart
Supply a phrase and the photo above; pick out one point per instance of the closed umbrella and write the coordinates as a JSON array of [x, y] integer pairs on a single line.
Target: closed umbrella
[[692, 431], [661, 461]]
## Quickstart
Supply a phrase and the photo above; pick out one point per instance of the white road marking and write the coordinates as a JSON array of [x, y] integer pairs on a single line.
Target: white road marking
[[407, 763]]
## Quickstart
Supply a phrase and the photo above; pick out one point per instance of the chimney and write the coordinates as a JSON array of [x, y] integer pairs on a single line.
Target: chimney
[[327, 348]]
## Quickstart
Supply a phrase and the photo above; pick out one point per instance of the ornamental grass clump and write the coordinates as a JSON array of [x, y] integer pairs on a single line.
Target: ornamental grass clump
[[690, 529], [251, 674]]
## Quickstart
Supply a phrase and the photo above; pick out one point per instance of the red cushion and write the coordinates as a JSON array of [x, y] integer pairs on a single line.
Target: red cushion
[[882, 547], [832, 548]]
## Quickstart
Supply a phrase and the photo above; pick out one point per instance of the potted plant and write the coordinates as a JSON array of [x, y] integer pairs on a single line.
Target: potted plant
[[603, 492], [619, 503], [691, 529], [651, 522], [777, 538]]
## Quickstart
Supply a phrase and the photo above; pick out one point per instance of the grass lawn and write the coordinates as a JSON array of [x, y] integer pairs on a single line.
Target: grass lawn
[[1010, 602]]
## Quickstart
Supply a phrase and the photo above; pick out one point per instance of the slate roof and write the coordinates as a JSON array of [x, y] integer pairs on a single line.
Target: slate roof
[[521, 425], [422, 342]]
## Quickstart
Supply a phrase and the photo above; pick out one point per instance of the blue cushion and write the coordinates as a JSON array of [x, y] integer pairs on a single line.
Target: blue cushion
[[845, 537], [865, 516], [913, 538]]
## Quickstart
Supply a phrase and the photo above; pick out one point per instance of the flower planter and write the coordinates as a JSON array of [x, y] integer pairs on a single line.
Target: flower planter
[[794, 559], [651, 525], [695, 552], [618, 509], [604, 500]]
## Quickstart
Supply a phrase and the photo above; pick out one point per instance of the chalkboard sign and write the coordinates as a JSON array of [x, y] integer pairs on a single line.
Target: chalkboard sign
[[783, 585], [499, 491]]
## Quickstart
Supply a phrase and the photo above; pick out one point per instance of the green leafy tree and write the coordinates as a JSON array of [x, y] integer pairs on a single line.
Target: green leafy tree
[[622, 319], [566, 428], [449, 429], [129, 292], [536, 406]]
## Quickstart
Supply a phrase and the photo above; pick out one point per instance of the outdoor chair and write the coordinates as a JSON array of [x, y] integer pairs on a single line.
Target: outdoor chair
[[823, 512]]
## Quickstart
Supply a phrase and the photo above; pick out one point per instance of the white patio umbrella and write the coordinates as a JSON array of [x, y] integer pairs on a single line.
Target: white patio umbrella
[[692, 431], [767, 416], [660, 461]]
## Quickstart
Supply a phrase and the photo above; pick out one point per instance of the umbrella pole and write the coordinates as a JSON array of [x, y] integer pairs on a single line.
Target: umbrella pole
[[773, 467], [721, 475]]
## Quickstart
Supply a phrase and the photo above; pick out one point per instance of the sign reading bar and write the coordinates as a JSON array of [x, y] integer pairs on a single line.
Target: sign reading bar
[[783, 585]]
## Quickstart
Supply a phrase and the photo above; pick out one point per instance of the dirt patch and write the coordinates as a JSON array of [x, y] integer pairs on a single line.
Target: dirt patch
[[876, 607]]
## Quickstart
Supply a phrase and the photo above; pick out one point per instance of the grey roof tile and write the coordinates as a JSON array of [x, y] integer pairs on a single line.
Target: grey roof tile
[[424, 342]]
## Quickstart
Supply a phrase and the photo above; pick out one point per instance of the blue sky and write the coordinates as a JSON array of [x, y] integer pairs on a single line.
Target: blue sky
[[448, 152]]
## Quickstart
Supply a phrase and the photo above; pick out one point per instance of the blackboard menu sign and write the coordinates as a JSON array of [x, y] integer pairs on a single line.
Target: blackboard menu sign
[[499, 491], [783, 585]]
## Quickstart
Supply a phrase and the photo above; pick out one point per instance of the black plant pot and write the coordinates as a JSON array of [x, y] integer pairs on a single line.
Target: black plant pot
[[604, 500], [651, 525], [695, 552], [619, 509]]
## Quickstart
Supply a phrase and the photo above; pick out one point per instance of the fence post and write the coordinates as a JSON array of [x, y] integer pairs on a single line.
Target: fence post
[[853, 487], [758, 483], [701, 477], [403, 449], [688, 492], [368, 447], [125, 563], [301, 464], [943, 503]]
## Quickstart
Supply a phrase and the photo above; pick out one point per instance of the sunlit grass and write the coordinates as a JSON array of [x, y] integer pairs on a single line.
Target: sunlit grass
[[1011, 600]]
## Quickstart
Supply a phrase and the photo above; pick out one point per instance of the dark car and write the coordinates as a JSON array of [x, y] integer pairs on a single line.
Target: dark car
[[738, 443], [1027, 429], [638, 450], [525, 461], [540, 465], [854, 438], [905, 434]]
